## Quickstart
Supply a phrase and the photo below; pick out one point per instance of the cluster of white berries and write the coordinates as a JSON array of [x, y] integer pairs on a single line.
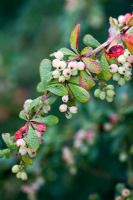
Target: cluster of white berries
[[64, 70], [66, 109], [107, 92], [122, 19], [23, 150], [122, 71], [20, 173]]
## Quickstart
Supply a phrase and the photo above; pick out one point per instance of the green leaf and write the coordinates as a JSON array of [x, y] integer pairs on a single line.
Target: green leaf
[[5, 153], [105, 74], [67, 52], [74, 37], [35, 103], [22, 115], [45, 69], [51, 99], [57, 89], [49, 120], [40, 87], [32, 139], [92, 65], [90, 41], [9, 141], [86, 50], [74, 80], [79, 93], [86, 81]]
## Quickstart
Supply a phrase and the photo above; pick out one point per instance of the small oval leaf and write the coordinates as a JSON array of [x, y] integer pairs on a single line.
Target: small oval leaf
[[74, 37], [79, 93], [105, 74], [57, 89], [86, 81]]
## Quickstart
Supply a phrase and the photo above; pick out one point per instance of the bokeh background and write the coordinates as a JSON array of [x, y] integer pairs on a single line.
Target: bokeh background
[[84, 158]]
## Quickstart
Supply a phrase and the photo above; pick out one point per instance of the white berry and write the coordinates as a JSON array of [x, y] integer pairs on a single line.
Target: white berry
[[121, 59], [22, 151], [63, 108], [65, 98], [121, 70], [15, 168], [20, 143], [73, 109], [72, 65], [55, 63], [56, 74], [121, 19], [81, 66], [24, 176], [59, 55], [113, 68], [61, 79], [67, 73]]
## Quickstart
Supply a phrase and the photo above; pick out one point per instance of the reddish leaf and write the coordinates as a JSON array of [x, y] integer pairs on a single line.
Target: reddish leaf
[[128, 41], [129, 20], [74, 37], [115, 51], [92, 65], [86, 81]]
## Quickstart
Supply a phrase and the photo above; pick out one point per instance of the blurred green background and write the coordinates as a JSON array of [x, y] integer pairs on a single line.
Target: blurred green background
[[87, 157]]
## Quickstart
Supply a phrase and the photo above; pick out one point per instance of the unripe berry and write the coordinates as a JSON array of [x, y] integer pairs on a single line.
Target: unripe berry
[[121, 81], [81, 66], [24, 176], [73, 109], [67, 73], [56, 74], [61, 79], [59, 55], [26, 105], [63, 108], [65, 98], [121, 70], [116, 77], [22, 151], [97, 93], [15, 169], [72, 65], [110, 87], [121, 59], [121, 19], [20, 143], [110, 93], [31, 153], [113, 68], [55, 63], [102, 95], [109, 99], [127, 65], [18, 175]]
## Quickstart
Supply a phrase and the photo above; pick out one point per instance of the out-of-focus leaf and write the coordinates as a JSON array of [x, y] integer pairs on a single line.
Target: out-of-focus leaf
[[92, 65], [105, 74], [45, 69], [67, 52], [5, 153], [79, 93], [86, 81], [22, 115], [8, 139], [57, 89], [49, 120], [40, 87], [90, 41], [74, 37]]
